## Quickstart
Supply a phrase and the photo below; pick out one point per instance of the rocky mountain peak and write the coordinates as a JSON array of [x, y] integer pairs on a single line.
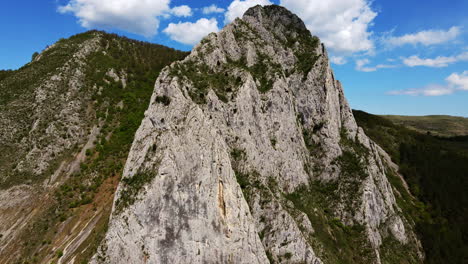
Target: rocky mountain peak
[[274, 16], [249, 144]]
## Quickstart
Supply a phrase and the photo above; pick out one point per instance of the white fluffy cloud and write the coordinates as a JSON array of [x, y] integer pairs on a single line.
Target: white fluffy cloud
[[438, 62], [459, 81], [338, 60], [454, 82], [190, 33], [362, 65], [212, 9], [426, 38], [238, 7], [343, 25], [182, 11], [135, 16], [430, 90]]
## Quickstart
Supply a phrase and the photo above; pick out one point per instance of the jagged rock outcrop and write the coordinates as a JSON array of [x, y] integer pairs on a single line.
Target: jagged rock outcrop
[[249, 153]]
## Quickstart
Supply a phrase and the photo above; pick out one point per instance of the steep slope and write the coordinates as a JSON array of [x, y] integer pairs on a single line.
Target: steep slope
[[67, 120], [436, 171], [249, 153]]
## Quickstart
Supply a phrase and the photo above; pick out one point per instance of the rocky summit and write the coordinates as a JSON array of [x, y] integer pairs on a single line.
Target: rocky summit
[[249, 153], [243, 151]]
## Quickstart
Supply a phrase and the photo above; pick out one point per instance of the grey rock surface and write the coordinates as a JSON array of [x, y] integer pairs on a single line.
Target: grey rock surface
[[256, 101]]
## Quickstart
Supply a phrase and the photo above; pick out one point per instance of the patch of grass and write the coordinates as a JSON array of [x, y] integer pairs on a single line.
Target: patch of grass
[[238, 154], [242, 179], [204, 79], [264, 71], [304, 46], [132, 187], [243, 32], [352, 165], [270, 256], [339, 243], [5, 73], [352, 162], [164, 99], [394, 252], [353, 144], [248, 180], [273, 142], [447, 126]]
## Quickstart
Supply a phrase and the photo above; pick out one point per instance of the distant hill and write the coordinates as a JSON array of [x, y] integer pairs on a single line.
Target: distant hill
[[435, 169], [441, 125], [67, 121]]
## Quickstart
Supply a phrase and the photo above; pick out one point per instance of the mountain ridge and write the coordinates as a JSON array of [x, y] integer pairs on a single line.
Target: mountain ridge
[[442, 125], [250, 138], [67, 120], [434, 168], [244, 150]]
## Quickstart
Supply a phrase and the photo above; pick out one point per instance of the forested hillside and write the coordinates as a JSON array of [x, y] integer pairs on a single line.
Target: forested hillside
[[436, 170], [67, 121], [440, 125]]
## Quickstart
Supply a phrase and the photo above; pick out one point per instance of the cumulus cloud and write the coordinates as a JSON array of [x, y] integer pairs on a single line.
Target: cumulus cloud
[[454, 82], [212, 9], [343, 25], [190, 33], [426, 38], [460, 81], [238, 7], [135, 16], [338, 60], [438, 62], [182, 11], [361, 65]]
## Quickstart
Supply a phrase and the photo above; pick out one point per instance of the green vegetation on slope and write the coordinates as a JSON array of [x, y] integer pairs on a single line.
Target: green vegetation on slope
[[436, 170], [225, 78], [333, 241], [5, 73], [141, 63], [436, 124]]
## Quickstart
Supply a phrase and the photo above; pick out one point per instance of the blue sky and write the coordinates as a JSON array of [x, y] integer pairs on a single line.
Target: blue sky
[[393, 57]]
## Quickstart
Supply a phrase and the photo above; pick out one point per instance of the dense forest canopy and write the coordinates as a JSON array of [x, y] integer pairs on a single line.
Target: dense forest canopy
[[436, 170]]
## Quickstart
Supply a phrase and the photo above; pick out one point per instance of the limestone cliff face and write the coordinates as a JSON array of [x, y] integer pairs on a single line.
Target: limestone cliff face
[[249, 153]]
